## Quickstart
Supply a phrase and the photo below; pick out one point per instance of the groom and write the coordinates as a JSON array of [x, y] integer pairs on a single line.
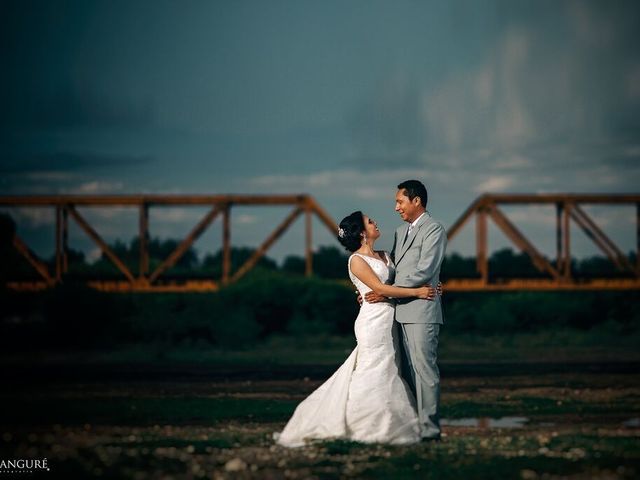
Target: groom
[[418, 251]]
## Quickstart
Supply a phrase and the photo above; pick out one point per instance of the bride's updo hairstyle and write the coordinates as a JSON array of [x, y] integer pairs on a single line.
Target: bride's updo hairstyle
[[350, 231]]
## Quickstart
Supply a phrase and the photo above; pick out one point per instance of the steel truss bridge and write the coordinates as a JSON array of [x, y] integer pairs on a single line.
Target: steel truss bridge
[[557, 275], [569, 207]]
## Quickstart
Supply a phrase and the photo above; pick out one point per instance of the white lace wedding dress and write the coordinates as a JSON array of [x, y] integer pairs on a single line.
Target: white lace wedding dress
[[365, 400]]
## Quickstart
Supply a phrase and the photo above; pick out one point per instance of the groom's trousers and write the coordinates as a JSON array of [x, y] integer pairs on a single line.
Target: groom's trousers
[[420, 369]]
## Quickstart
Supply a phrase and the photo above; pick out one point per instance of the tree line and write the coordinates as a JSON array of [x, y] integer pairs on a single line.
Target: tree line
[[329, 262]]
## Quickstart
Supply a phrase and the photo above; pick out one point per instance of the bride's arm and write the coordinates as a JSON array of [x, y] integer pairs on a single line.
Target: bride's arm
[[373, 297], [366, 275]]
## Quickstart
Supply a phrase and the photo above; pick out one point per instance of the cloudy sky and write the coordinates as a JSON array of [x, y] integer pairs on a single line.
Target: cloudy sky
[[339, 99]]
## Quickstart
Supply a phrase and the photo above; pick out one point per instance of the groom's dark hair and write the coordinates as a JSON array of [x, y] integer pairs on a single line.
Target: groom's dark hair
[[413, 189]]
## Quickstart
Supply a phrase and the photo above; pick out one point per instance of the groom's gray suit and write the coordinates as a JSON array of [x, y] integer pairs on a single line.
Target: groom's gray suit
[[418, 258]]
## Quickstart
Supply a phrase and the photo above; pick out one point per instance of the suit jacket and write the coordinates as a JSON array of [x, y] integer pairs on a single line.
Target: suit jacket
[[418, 262]]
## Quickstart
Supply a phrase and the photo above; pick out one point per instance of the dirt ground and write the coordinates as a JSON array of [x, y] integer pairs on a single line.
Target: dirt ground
[[526, 421]]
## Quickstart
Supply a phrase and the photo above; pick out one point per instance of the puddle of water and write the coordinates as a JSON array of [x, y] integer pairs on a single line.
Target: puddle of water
[[460, 422], [632, 423], [485, 422]]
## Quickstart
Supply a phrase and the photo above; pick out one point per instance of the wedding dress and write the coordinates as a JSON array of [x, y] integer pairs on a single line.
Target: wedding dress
[[366, 399]]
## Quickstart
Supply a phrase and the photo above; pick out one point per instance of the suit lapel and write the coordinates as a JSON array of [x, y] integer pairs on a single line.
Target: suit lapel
[[414, 233], [401, 233]]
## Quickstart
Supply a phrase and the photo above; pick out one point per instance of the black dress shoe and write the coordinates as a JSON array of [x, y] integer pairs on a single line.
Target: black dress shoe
[[431, 439]]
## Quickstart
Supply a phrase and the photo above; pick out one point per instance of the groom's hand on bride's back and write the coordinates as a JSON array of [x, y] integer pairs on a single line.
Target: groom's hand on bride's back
[[372, 297]]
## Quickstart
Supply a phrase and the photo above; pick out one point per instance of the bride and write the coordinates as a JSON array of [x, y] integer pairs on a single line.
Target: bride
[[365, 400]]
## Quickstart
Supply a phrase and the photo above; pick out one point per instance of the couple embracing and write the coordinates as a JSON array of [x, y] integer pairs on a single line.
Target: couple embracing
[[388, 389]]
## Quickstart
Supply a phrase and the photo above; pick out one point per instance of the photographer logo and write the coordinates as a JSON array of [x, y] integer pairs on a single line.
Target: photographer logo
[[22, 465]]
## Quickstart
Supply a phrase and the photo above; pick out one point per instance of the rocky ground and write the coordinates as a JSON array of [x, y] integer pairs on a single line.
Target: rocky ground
[[533, 420]]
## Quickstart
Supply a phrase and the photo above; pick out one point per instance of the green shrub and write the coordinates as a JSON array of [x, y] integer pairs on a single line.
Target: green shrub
[[78, 316], [269, 302]]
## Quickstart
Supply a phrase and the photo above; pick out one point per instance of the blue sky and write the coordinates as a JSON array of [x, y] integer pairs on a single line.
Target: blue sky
[[342, 100]]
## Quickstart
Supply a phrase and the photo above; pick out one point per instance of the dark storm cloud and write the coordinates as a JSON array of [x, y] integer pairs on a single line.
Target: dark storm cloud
[[69, 107], [65, 162], [389, 130], [49, 73], [554, 88]]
